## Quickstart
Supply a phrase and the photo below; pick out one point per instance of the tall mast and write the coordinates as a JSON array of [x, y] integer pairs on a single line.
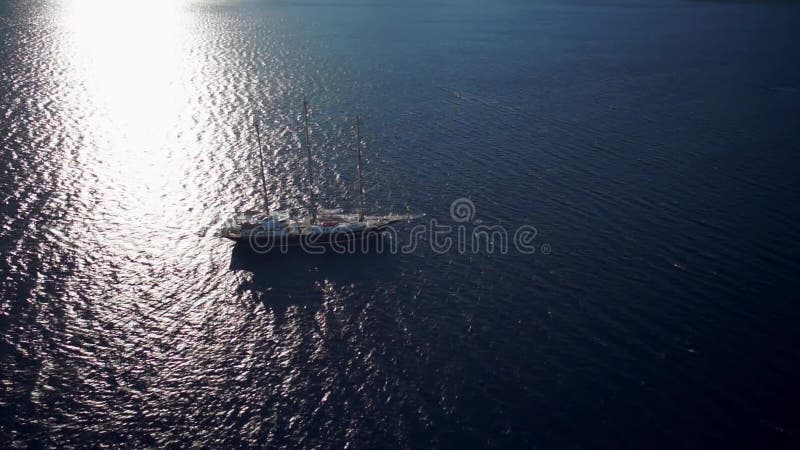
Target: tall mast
[[313, 205], [261, 161], [358, 173]]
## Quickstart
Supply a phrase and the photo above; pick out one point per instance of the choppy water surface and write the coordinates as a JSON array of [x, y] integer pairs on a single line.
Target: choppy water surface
[[652, 144]]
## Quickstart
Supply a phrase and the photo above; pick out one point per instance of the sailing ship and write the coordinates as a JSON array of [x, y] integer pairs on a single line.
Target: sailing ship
[[320, 226]]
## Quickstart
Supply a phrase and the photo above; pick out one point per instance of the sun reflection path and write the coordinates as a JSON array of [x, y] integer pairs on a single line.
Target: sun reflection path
[[132, 82], [131, 55]]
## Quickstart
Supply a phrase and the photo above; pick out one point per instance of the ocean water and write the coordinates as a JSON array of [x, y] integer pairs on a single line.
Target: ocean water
[[652, 144]]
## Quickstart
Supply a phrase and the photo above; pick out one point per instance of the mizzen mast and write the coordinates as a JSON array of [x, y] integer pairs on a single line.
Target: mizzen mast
[[313, 205], [358, 173], [261, 161]]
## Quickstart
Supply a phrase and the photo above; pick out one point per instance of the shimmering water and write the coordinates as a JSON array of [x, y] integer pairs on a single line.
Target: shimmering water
[[653, 145]]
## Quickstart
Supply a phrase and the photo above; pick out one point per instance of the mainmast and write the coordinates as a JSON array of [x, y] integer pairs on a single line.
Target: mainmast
[[313, 205], [261, 161], [358, 173]]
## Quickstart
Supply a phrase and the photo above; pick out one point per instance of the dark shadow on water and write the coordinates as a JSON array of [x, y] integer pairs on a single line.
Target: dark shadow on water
[[281, 280]]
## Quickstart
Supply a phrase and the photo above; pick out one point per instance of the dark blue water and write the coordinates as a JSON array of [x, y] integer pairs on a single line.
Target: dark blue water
[[653, 145]]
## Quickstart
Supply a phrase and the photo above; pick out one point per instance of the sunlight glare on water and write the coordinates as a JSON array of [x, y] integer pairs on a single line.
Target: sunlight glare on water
[[642, 143], [126, 64]]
